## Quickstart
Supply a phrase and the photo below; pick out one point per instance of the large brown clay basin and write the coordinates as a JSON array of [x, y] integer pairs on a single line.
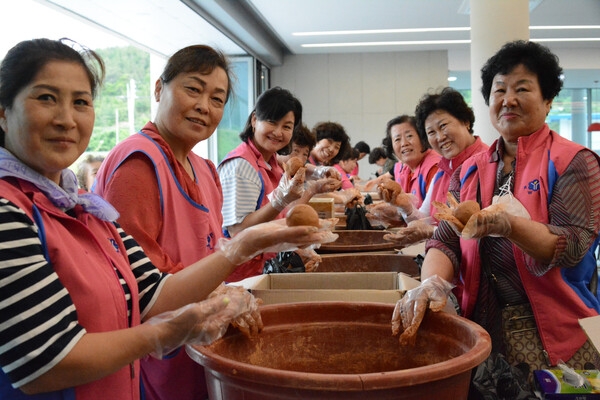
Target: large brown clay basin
[[337, 350], [367, 262], [353, 241]]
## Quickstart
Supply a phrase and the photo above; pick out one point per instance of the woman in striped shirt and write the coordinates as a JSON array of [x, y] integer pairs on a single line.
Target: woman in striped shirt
[[75, 289]]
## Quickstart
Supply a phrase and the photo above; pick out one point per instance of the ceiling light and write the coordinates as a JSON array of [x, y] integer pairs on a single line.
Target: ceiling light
[[424, 30], [588, 39], [452, 78], [433, 42], [380, 31], [559, 27], [392, 43]]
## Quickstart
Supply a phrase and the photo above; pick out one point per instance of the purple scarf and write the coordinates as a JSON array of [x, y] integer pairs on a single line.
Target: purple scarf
[[65, 196]]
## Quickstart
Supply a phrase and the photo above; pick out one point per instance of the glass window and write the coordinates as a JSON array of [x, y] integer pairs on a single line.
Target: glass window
[[237, 109], [594, 107], [126, 102]]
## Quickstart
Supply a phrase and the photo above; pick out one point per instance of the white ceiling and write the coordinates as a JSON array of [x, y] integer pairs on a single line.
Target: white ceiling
[[265, 28], [290, 16]]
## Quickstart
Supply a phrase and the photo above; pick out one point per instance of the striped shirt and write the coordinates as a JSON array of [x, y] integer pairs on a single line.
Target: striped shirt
[[32, 295], [242, 186]]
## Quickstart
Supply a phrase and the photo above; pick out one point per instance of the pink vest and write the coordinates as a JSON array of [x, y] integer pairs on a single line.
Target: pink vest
[[191, 233], [183, 242], [270, 178], [415, 182], [447, 168], [547, 156], [83, 251]]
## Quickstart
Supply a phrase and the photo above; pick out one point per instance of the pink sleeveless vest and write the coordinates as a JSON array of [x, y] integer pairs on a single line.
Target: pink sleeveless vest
[[191, 233], [547, 156], [83, 252], [183, 242], [415, 183], [270, 178]]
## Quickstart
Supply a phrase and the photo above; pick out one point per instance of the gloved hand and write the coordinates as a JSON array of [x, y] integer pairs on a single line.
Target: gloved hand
[[445, 212], [324, 185], [407, 204], [314, 172], [416, 232], [349, 197], [288, 190], [388, 189], [491, 221], [203, 322], [272, 237], [495, 220], [384, 212], [410, 309], [249, 322], [310, 258]]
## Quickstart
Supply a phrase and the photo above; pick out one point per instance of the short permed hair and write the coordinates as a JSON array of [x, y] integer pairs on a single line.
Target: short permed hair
[[537, 58], [401, 119], [333, 131], [449, 100]]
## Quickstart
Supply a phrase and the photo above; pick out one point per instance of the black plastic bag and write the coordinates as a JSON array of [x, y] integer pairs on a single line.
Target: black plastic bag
[[496, 379], [285, 261], [356, 219]]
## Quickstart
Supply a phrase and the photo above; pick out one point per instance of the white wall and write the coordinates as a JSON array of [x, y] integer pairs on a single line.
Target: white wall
[[361, 91]]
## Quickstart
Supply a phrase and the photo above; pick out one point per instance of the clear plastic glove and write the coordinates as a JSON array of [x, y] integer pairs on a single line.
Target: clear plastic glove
[[407, 204], [371, 185], [445, 212], [385, 212], [324, 185], [388, 189], [349, 197], [288, 190], [310, 258], [495, 219], [417, 231], [204, 322], [249, 322], [314, 172], [410, 309], [273, 237], [491, 221]]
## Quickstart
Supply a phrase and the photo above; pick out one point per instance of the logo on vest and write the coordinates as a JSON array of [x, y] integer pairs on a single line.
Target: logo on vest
[[533, 186], [210, 241], [114, 244]]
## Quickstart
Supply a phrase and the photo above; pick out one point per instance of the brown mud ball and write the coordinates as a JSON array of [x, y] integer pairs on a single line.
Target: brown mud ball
[[465, 210], [292, 166], [302, 214]]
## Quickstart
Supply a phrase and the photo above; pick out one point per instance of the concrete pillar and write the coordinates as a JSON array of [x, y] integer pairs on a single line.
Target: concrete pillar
[[579, 133], [493, 23]]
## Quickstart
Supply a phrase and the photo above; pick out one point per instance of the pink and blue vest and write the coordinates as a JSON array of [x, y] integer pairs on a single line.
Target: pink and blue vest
[[270, 175], [191, 233], [83, 251], [415, 182], [545, 156]]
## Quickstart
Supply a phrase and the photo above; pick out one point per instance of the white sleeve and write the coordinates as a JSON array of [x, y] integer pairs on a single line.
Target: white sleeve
[[241, 190]]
